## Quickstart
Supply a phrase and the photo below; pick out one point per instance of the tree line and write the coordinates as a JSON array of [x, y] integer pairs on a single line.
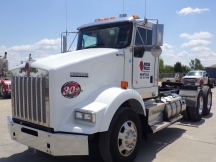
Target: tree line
[[179, 68]]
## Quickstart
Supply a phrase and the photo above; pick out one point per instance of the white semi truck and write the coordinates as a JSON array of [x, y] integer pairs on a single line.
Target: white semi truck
[[107, 90]]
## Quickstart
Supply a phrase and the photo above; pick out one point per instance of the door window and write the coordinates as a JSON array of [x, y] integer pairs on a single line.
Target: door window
[[143, 37]]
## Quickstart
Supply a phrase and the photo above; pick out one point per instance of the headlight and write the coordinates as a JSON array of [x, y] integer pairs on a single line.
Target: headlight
[[88, 116], [79, 115]]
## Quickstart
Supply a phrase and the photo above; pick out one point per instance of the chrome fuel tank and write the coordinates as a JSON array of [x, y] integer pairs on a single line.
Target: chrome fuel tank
[[174, 105]]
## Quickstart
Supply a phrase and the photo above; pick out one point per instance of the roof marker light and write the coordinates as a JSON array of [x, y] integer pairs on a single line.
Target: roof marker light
[[112, 17], [135, 16], [99, 20], [106, 18]]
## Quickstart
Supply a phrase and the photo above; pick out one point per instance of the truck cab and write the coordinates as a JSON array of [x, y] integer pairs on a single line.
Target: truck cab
[[105, 90]]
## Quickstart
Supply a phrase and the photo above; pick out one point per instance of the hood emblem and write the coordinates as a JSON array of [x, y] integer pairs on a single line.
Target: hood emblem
[[27, 66]]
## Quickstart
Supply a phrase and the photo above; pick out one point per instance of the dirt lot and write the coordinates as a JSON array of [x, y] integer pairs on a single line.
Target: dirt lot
[[184, 141]]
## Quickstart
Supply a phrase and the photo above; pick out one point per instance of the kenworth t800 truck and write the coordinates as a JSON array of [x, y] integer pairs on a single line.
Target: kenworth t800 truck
[[105, 90]]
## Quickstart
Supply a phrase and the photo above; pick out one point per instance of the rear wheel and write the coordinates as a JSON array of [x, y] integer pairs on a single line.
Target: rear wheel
[[212, 85], [121, 142], [163, 85], [196, 113], [3, 93], [207, 100], [186, 114]]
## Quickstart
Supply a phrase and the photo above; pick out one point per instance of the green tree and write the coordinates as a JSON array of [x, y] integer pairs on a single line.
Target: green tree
[[161, 65], [168, 69], [178, 67], [185, 69], [196, 64]]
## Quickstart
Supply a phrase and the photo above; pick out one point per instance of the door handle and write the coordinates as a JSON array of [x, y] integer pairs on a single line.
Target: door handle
[[151, 79]]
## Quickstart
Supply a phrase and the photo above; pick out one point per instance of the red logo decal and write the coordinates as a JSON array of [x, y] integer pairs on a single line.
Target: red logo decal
[[141, 65], [71, 89]]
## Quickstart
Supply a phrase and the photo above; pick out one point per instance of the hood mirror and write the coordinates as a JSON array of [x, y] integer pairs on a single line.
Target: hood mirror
[[156, 51]]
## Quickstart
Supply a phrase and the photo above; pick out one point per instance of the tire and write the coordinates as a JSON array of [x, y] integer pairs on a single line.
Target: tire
[[126, 122], [207, 100], [186, 114], [3, 93], [196, 113], [212, 85], [163, 85]]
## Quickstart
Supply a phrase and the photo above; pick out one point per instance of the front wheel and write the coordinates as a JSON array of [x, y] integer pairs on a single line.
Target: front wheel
[[121, 142]]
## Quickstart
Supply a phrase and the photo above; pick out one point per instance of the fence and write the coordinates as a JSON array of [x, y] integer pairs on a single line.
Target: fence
[[169, 75]]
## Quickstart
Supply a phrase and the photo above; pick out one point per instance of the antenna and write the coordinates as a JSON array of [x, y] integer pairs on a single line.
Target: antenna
[[64, 41], [66, 14], [145, 11], [123, 6]]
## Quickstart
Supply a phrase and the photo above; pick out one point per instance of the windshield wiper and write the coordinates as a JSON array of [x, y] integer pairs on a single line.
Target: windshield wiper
[[95, 45]]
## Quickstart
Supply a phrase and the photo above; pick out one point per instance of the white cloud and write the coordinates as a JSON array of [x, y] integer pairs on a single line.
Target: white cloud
[[167, 50], [182, 54], [201, 48], [167, 46], [207, 58], [189, 10], [200, 35], [194, 43], [45, 44], [40, 49]]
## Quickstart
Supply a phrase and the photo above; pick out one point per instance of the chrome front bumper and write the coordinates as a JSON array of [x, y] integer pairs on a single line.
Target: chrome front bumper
[[56, 144]]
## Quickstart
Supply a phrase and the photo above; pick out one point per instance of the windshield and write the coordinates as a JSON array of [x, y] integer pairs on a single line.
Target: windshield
[[194, 73], [105, 36]]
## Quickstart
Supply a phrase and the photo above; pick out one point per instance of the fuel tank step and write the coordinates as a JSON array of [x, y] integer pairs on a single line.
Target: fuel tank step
[[155, 128]]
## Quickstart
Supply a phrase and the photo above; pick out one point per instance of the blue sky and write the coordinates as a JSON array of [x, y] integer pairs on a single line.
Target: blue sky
[[35, 26]]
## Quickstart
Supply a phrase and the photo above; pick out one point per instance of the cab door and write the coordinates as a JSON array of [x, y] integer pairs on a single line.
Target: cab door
[[144, 64]]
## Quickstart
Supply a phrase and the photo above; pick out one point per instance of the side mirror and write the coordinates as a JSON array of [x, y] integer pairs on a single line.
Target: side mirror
[[183, 74], [139, 51], [206, 74], [157, 34]]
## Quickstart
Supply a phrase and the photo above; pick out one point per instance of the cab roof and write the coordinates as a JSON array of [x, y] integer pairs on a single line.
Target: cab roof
[[116, 20]]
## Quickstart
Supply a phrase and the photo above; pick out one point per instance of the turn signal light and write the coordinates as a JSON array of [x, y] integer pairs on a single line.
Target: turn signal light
[[124, 84]]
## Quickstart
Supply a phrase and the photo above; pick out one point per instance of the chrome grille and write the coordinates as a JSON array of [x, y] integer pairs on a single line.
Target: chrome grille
[[30, 99], [190, 80]]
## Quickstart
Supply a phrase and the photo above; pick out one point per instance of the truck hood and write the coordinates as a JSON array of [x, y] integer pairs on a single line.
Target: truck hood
[[192, 77], [100, 69], [65, 59]]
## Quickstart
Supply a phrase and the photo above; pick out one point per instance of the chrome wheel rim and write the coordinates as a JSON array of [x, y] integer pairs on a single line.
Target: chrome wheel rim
[[209, 101], [200, 105], [127, 138]]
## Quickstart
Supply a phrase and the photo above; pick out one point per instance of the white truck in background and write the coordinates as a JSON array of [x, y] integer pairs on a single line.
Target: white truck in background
[[175, 81], [106, 90], [198, 78]]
